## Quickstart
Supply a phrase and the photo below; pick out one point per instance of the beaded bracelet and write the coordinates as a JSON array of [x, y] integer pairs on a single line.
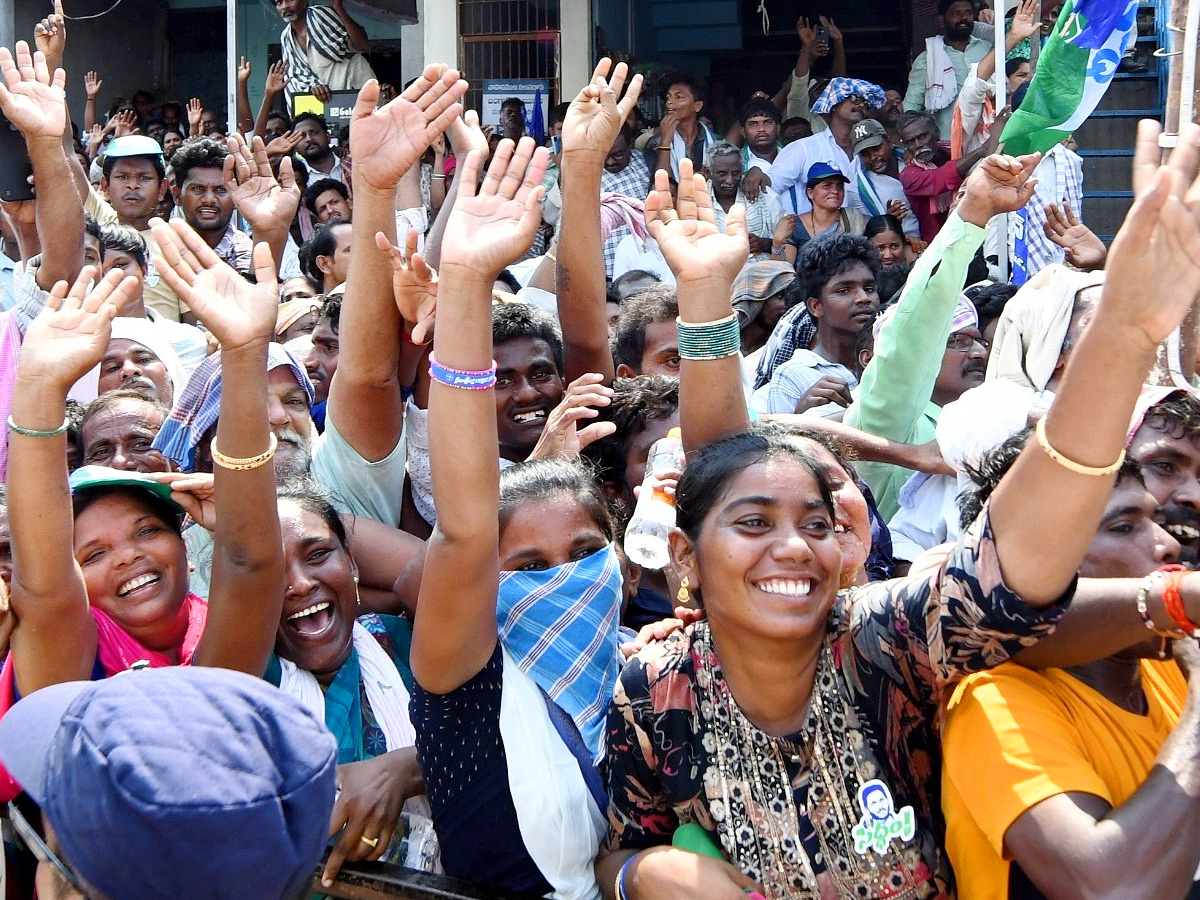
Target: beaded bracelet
[[465, 379], [241, 465], [33, 432], [709, 340], [1147, 585], [1069, 464], [1173, 600]]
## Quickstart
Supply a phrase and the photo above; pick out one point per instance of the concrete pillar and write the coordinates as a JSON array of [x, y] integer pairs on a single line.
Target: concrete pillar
[[440, 39], [575, 46], [412, 47]]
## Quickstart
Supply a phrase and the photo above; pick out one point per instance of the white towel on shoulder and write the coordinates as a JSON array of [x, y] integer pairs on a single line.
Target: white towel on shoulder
[[384, 688], [941, 81]]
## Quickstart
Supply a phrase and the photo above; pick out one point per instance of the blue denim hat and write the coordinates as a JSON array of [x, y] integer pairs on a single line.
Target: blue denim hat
[[177, 782]]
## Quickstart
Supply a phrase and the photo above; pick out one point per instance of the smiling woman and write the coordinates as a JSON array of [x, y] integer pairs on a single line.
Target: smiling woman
[[100, 568]]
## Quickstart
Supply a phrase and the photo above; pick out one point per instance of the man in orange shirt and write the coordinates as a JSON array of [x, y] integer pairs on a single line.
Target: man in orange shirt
[[1084, 781]]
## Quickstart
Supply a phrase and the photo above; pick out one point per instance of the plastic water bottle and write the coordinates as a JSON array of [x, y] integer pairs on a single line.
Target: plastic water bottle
[[654, 515]]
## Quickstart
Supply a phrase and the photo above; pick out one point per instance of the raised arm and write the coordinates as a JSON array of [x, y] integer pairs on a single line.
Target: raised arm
[[33, 99], [55, 637], [268, 205], [838, 68], [91, 86], [455, 630], [365, 402], [898, 383], [247, 586], [244, 121], [276, 81], [593, 121], [705, 262], [1027, 21], [465, 135], [1153, 276], [358, 36]]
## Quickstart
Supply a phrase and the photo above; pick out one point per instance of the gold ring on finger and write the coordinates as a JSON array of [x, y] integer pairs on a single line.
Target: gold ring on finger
[[370, 842]]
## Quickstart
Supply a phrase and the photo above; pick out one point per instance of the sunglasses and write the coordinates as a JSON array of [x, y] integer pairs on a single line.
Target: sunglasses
[[28, 836]]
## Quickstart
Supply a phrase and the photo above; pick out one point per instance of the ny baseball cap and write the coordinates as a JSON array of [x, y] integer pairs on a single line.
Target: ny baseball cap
[[866, 134], [177, 782]]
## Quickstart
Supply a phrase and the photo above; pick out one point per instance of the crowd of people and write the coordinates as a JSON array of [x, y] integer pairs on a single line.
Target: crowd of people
[[321, 449]]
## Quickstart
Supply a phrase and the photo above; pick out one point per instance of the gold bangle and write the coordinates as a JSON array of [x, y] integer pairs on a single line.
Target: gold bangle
[[1069, 464], [242, 465]]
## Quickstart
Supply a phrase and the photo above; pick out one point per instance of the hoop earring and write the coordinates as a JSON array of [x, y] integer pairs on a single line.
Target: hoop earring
[[683, 594]]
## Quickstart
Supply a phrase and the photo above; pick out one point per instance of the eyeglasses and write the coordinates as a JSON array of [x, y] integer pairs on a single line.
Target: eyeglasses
[[963, 343], [31, 839]]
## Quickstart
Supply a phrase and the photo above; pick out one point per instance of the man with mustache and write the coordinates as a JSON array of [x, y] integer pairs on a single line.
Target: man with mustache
[[323, 48], [1166, 445], [939, 72], [930, 177], [206, 202]]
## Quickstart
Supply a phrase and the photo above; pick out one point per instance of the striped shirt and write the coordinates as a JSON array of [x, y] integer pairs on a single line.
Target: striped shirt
[[326, 35]]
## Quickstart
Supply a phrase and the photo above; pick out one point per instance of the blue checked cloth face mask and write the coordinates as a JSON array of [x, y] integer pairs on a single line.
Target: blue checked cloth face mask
[[560, 626]]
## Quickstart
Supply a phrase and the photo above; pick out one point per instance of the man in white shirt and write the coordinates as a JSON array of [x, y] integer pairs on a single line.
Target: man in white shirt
[[939, 72], [875, 176], [844, 103]]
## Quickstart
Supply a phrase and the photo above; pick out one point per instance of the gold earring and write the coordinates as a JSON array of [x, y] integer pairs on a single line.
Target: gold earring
[[682, 595]]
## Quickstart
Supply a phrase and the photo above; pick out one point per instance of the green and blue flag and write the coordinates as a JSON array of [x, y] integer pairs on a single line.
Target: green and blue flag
[[1075, 68]]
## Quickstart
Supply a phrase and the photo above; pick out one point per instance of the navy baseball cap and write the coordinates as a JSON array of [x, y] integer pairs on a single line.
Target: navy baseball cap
[[178, 782], [823, 171]]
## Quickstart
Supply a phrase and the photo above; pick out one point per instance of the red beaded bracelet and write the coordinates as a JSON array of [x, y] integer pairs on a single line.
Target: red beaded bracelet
[[1173, 600]]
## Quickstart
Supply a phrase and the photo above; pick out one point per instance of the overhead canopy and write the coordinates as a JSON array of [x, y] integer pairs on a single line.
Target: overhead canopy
[[401, 11]]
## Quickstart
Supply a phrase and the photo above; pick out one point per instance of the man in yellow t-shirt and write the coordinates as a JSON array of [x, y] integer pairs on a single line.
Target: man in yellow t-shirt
[[1082, 781]]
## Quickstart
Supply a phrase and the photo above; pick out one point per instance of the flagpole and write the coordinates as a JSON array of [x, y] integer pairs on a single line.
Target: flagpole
[[1001, 84], [1182, 106]]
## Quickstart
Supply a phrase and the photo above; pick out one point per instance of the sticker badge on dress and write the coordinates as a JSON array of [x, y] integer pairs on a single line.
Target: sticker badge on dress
[[881, 823]]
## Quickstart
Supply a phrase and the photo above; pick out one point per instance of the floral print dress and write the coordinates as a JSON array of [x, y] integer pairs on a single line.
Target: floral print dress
[[892, 651]]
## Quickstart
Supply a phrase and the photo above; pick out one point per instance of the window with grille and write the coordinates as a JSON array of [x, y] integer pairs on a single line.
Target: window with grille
[[508, 39]]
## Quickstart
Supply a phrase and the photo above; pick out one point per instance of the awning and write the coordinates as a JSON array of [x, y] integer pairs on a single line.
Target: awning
[[403, 12]]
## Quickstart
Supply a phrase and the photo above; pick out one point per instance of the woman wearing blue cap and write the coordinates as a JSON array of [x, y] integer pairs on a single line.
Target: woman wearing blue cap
[[100, 569], [825, 187]]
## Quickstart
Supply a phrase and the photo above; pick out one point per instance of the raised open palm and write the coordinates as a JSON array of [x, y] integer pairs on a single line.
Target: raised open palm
[[267, 204], [1153, 266], [30, 96], [1000, 184], [494, 228], [414, 285], [687, 233], [69, 336], [237, 312], [388, 140], [466, 135], [594, 116]]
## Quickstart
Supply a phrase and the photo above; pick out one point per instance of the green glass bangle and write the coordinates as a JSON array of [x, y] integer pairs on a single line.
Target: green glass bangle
[[33, 432], [709, 340]]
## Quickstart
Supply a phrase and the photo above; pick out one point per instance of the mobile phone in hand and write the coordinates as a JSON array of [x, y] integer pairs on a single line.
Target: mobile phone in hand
[[822, 35], [15, 167]]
